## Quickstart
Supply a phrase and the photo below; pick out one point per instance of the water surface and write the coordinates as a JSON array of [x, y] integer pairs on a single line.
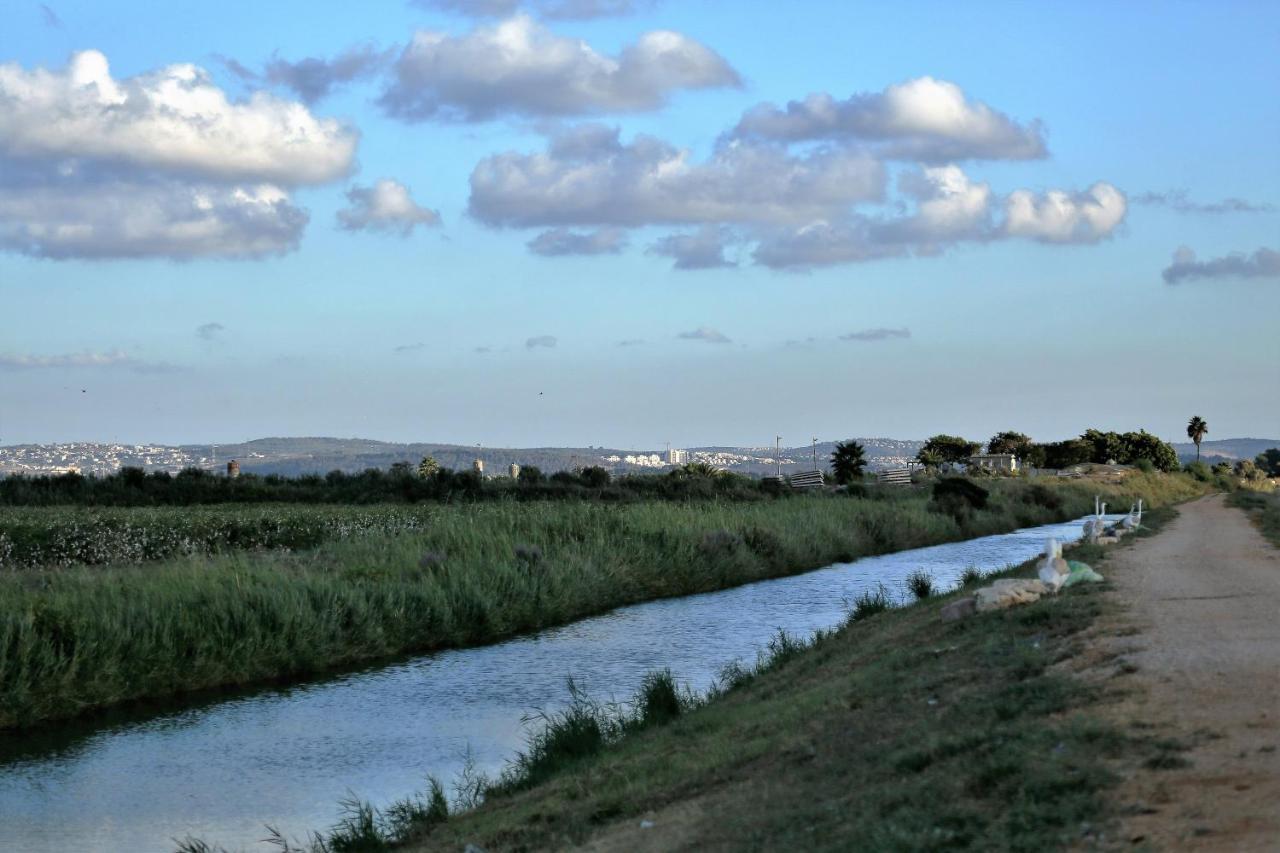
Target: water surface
[[221, 770]]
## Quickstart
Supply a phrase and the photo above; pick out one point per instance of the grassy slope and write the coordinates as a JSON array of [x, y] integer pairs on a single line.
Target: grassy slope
[[900, 732], [1264, 507], [79, 639]]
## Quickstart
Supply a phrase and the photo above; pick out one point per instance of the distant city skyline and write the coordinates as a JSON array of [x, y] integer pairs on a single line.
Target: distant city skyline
[[625, 224]]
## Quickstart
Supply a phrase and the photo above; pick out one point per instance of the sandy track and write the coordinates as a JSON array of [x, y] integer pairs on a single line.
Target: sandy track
[[1205, 597]]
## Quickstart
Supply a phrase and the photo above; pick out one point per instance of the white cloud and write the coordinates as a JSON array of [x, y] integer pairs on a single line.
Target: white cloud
[[138, 219], [880, 334], [950, 209], [174, 120], [565, 10], [519, 67], [541, 341], [701, 250], [86, 359], [563, 241], [588, 177], [706, 335], [922, 119], [1061, 217], [1178, 200], [162, 164], [386, 206], [1264, 263]]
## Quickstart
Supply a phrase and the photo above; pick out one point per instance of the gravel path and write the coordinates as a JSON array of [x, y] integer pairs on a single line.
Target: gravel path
[[1205, 595]]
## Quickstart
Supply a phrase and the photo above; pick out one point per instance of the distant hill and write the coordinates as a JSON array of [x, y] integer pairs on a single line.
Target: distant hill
[[320, 455], [1225, 449]]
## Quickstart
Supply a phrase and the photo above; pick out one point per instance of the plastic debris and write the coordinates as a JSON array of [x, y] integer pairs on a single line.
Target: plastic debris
[[1080, 573]]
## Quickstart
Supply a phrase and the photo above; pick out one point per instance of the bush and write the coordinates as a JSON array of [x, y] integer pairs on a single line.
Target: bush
[[1144, 465], [869, 603], [1199, 470], [920, 583]]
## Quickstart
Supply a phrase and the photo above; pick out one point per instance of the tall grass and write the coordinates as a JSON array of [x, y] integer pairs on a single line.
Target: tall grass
[[76, 639]]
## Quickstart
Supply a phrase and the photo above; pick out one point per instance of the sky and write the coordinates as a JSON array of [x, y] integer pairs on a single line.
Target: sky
[[624, 223]]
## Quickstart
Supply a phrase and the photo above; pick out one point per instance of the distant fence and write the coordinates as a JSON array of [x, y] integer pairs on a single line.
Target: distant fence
[[807, 480], [895, 477]]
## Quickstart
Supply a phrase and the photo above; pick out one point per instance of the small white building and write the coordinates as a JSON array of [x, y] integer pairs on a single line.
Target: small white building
[[994, 461]]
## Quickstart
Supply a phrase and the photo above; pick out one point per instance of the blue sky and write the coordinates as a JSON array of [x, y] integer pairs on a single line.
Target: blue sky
[[427, 317]]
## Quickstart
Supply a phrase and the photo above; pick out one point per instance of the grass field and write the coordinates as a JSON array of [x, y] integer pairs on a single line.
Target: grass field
[[78, 638]]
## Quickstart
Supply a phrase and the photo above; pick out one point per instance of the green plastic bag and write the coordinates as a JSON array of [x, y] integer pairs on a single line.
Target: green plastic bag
[[1080, 573]]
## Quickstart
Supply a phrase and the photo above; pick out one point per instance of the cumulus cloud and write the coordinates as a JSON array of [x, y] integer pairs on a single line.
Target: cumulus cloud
[[877, 334], [701, 250], [543, 341], [162, 164], [704, 334], [174, 121], [949, 209], [519, 67], [210, 331], [565, 10], [312, 79], [386, 206], [138, 218], [87, 359], [563, 241], [923, 119], [1177, 200], [1062, 217], [1264, 263], [589, 177]]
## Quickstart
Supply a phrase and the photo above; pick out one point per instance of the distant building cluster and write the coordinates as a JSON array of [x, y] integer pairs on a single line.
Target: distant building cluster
[[94, 458]]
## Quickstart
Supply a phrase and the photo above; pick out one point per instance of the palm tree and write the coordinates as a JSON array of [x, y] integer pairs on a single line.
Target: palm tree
[[1196, 429], [847, 462]]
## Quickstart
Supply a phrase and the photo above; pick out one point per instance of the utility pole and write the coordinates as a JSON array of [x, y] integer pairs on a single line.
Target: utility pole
[[777, 456], [815, 453]]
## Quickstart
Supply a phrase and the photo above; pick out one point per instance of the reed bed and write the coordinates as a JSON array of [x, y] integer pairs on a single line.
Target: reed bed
[[79, 638]]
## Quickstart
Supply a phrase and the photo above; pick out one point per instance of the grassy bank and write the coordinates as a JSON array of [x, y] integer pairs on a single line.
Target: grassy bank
[[77, 639], [1264, 507], [897, 732]]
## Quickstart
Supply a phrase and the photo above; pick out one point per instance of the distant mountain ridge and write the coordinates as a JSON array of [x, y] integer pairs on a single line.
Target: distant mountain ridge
[[320, 455], [1229, 449]]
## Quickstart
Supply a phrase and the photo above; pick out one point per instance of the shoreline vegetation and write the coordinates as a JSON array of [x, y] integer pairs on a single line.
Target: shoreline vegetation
[[81, 638], [896, 730]]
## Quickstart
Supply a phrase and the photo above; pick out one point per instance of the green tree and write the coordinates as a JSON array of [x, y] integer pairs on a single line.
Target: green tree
[[1196, 429], [947, 448], [1269, 462], [428, 467], [1144, 445], [530, 475], [1011, 442], [847, 462], [1105, 447]]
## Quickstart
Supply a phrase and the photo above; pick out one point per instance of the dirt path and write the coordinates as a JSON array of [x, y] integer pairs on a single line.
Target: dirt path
[[1205, 598]]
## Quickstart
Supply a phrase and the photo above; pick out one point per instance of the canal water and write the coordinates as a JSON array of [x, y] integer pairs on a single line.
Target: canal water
[[223, 770]]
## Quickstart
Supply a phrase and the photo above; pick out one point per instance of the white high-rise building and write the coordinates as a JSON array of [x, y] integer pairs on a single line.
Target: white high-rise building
[[677, 457]]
